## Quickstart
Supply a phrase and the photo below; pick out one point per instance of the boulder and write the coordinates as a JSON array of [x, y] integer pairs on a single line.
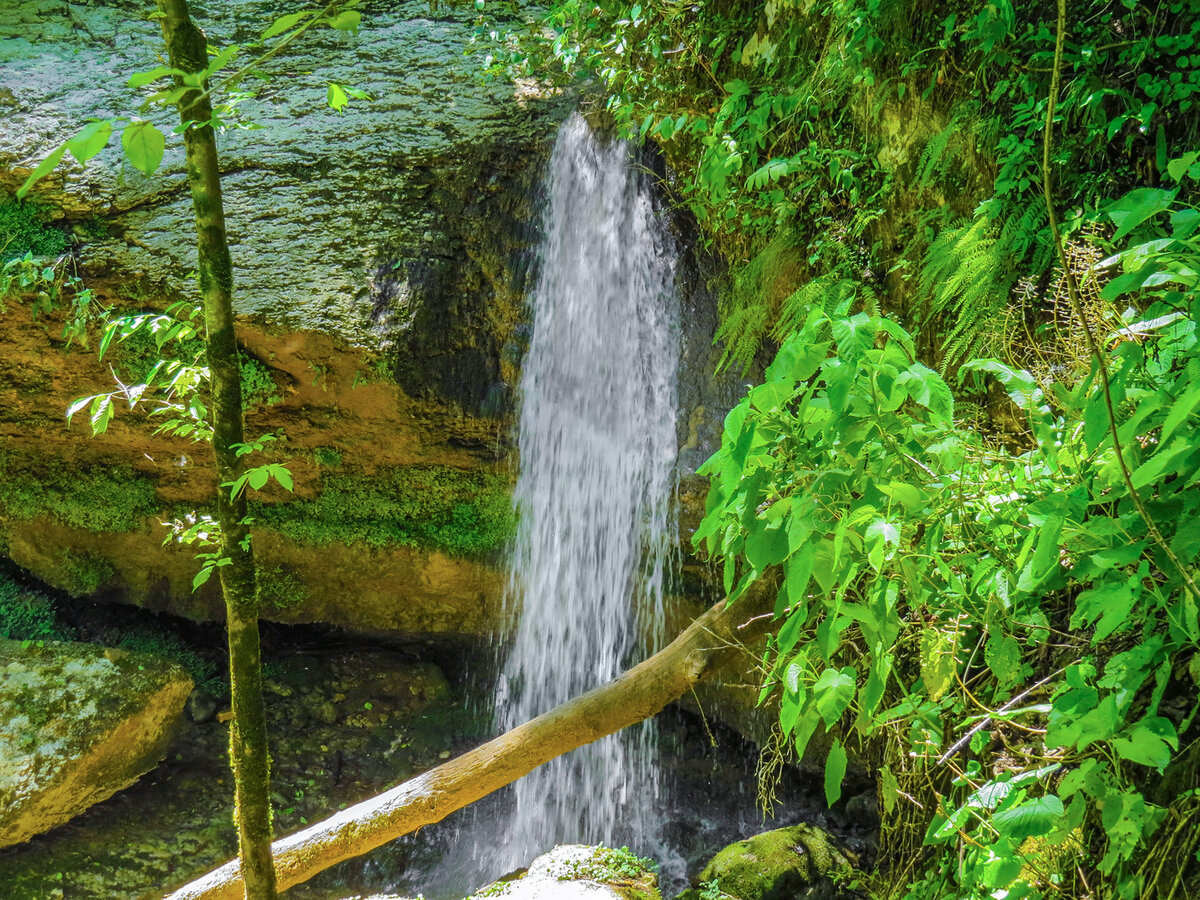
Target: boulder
[[579, 872], [784, 864], [81, 723]]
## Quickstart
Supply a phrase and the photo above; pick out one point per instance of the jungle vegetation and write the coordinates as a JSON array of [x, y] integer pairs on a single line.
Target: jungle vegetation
[[963, 273]]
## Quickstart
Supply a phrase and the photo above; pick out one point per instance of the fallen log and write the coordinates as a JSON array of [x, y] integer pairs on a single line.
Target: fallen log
[[709, 642]]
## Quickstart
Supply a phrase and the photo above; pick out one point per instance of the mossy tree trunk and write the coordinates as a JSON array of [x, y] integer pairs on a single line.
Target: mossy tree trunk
[[716, 638], [187, 51]]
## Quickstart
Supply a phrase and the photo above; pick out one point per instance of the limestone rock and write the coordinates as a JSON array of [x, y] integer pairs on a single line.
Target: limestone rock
[[782, 864], [579, 872], [81, 723]]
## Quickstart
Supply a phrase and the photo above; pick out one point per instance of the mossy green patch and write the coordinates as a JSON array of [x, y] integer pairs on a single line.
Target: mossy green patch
[[22, 231], [98, 498], [462, 511], [205, 672], [27, 615], [775, 865], [85, 573]]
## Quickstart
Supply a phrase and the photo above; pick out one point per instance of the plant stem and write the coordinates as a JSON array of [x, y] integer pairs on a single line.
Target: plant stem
[[249, 757]]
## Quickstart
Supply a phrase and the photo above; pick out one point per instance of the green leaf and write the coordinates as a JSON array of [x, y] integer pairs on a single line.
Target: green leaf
[[336, 97], [346, 21], [283, 23], [90, 140], [44, 168], [766, 546], [202, 576], [1149, 743], [1032, 818], [1136, 207], [1110, 602], [144, 145], [938, 664], [833, 692], [835, 772], [1003, 656], [283, 476], [889, 787], [140, 79], [257, 478]]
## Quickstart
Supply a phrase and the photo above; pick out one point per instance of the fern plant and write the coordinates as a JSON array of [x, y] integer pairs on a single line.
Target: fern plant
[[965, 282]]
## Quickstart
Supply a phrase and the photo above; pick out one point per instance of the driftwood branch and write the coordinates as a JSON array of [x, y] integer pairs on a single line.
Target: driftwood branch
[[709, 642]]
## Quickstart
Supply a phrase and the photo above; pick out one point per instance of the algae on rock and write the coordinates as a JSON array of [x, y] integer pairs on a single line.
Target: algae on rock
[[82, 722], [783, 864]]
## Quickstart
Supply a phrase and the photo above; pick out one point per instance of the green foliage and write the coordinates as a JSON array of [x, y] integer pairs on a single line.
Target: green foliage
[[440, 507], [965, 279], [608, 865], [27, 615], [84, 573], [207, 674], [937, 593], [22, 231], [867, 131], [99, 498]]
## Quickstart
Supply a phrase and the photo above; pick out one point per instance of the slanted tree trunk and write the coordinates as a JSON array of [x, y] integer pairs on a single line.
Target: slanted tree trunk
[[709, 642], [187, 51]]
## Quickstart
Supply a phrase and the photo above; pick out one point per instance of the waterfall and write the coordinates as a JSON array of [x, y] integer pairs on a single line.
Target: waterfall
[[594, 493]]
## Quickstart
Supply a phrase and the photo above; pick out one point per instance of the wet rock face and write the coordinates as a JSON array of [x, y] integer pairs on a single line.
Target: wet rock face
[[395, 222], [81, 723], [343, 726], [379, 260]]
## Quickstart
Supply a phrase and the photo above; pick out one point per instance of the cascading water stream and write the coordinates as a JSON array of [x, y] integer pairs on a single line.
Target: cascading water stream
[[597, 475]]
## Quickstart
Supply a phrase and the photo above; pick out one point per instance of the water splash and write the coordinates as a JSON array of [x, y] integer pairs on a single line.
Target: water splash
[[597, 475]]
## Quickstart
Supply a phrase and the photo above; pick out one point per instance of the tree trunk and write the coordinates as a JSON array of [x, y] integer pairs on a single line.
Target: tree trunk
[[187, 51], [637, 694]]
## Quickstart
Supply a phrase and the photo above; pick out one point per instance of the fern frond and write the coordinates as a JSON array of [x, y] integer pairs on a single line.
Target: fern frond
[[965, 281]]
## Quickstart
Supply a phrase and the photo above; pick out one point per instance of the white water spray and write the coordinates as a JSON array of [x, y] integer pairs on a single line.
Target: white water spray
[[597, 476]]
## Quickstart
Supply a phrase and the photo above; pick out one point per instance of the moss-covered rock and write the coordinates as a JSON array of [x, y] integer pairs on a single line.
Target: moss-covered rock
[[579, 872], [787, 863], [81, 723]]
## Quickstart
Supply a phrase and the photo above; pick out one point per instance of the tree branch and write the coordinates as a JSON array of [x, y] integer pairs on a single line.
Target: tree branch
[[712, 640]]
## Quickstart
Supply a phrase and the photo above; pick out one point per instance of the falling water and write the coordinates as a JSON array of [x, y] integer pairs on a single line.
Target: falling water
[[597, 475]]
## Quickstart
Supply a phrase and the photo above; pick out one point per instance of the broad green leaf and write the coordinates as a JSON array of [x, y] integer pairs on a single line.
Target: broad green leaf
[[766, 546], [1110, 602], [835, 772], [283, 476], [938, 664], [45, 167], [1136, 207], [202, 576], [833, 692], [1003, 656], [90, 140], [336, 97], [283, 23], [257, 478], [1032, 818], [889, 787], [140, 79], [1148, 743], [347, 20], [144, 145]]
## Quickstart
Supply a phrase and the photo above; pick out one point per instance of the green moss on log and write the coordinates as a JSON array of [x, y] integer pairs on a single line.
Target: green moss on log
[[439, 507]]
